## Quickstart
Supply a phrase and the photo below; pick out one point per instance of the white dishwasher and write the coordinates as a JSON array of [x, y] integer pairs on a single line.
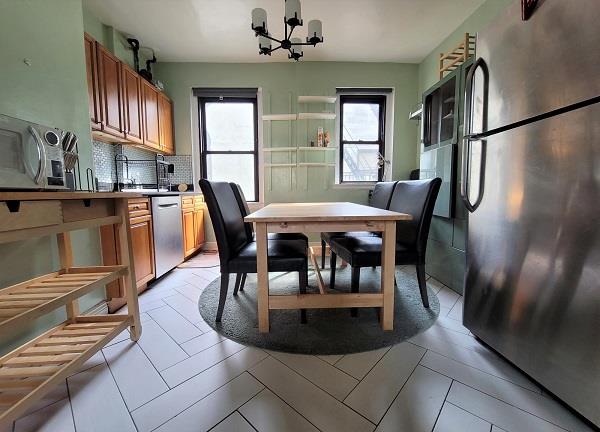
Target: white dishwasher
[[168, 233]]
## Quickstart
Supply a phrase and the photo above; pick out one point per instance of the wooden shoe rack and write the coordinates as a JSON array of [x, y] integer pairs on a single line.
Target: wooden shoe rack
[[33, 369]]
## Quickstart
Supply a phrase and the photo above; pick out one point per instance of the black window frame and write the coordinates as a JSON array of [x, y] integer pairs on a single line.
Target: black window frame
[[361, 99], [202, 101]]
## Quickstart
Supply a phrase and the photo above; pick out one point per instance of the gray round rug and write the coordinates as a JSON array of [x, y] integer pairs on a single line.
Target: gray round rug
[[328, 331]]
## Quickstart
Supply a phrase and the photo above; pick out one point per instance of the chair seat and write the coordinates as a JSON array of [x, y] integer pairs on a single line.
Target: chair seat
[[366, 251], [284, 255], [327, 236]]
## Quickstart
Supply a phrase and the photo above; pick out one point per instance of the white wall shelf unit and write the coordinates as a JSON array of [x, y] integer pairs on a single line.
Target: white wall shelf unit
[[317, 99], [279, 117], [279, 149], [316, 116], [316, 164], [317, 148], [280, 165]]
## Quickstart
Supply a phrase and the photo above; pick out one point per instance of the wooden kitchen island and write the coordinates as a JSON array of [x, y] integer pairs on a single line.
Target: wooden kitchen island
[[33, 369]]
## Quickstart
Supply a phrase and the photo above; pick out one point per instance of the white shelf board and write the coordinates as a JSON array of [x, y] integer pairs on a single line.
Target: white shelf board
[[317, 99], [316, 116], [279, 117], [315, 164], [280, 149], [280, 165], [317, 148]]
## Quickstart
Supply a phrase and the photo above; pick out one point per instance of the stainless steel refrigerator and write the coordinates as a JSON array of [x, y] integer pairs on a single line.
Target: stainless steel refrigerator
[[531, 181]]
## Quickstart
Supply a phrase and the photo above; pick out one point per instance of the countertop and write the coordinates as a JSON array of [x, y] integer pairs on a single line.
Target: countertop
[[38, 196]]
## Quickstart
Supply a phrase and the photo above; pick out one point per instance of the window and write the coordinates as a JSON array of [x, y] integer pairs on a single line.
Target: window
[[362, 138], [229, 142]]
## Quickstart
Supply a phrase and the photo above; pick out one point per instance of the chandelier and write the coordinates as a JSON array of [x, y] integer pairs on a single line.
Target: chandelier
[[291, 20]]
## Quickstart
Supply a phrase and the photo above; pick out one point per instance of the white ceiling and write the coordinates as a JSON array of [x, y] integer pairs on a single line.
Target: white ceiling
[[219, 30]]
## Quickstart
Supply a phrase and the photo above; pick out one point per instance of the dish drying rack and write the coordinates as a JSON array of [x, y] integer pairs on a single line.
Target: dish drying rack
[[162, 169]]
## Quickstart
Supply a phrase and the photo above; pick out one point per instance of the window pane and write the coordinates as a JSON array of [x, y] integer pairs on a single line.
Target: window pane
[[360, 162], [236, 168], [229, 126], [361, 122]]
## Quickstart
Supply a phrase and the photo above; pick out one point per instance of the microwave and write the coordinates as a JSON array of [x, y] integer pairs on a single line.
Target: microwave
[[31, 155]]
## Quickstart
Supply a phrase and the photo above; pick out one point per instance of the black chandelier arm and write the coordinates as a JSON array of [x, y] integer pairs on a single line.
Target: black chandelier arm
[[274, 49]]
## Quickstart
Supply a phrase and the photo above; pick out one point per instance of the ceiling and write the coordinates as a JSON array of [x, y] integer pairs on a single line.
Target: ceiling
[[402, 31]]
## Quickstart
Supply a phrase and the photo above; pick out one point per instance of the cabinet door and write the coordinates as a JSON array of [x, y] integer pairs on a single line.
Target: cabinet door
[[142, 247], [189, 233], [151, 115], [110, 256], [91, 67], [109, 68], [132, 95], [166, 125], [199, 227]]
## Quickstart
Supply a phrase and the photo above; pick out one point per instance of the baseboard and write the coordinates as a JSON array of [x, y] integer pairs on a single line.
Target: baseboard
[[210, 247], [100, 308]]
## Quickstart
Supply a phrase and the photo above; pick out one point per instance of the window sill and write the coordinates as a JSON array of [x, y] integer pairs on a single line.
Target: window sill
[[357, 186]]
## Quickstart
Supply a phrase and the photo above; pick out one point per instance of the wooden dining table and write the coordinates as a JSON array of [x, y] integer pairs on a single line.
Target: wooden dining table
[[325, 217]]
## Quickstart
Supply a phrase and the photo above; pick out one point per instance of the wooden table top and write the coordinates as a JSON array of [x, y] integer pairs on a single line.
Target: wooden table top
[[38, 196], [323, 212]]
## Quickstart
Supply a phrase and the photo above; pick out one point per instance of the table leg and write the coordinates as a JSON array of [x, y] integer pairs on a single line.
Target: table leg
[[262, 277], [388, 266], [65, 253]]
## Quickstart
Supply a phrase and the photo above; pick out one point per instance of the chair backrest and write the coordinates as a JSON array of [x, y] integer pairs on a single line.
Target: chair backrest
[[241, 199], [382, 195], [227, 219], [417, 198]]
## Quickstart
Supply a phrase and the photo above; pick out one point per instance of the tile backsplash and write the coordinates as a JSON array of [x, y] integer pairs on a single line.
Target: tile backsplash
[[105, 167]]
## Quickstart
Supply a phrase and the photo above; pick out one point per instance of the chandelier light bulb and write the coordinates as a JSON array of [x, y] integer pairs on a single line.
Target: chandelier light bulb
[[315, 32], [259, 20], [264, 45], [293, 15]]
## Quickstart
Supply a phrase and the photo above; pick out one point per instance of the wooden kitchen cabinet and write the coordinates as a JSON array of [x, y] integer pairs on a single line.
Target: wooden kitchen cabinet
[[189, 233], [193, 224], [199, 221], [91, 67], [111, 90], [165, 122], [150, 102], [132, 97], [142, 245]]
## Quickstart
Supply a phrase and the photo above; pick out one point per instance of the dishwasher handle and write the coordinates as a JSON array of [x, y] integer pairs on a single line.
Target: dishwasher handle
[[172, 205]]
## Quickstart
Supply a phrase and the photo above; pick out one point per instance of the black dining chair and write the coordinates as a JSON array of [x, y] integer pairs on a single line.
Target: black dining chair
[[416, 198], [240, 278], [237, 252], [380, 198]]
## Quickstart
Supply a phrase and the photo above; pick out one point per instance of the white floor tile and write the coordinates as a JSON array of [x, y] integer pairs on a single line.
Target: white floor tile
[[321, 409], [451, 324], [57, 393], [168, 405], [202, 342], [209, 411], [454, 419], [162, 351], [197, 363], [497, 412], [375, 393], [484, 360], [152, 304], [267, 413], [135, 376], [359, 364], [417, 406], [185, 307], [447, 297], [234, 423], [180, 329], [532, 402], [190, 291], [331, 359], [96, 402], [456, 313], [435, 285], [335, 382], [203, 326], [121, 337], [53, 418], [457, 338]]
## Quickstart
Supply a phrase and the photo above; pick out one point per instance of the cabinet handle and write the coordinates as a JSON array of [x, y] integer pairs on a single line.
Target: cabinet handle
[[283, 225]]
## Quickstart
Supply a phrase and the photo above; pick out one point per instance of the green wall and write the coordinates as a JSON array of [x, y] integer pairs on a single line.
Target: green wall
[[445, 252], [281, 84], [52, 91]]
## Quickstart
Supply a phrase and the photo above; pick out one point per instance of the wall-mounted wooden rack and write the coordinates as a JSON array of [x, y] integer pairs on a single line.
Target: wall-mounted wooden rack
[[279, 117], [317, 99], [316, 116], [455, 57]]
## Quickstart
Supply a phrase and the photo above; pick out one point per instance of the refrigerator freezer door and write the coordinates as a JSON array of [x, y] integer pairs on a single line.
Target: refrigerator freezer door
[[533, 261], [546, 63]]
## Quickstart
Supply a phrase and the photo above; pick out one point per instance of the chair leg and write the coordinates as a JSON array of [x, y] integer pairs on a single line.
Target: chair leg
[[422, 284], [238, 281], [223, 295], [303, 282], [354, 286], [323, 249], [332, 270], [243, 282]]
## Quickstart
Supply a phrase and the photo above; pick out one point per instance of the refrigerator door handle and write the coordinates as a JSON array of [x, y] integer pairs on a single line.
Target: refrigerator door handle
[[469, 136]]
